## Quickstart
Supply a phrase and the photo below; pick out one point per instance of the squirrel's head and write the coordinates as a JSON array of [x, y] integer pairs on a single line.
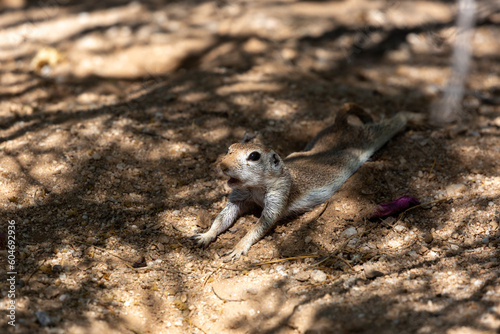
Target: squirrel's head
[[251, 165]]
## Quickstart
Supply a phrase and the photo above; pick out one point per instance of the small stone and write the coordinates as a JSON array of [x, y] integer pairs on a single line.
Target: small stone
[[280, 269], [56, 269], [44, 319], [432, 255], [455, 189], [318, 276], [20, 284], [63, 297], [485, 240], [389, 220], [494, 225], [399, 228], [371, 272], [428, 238], [350, 232], [422, 250], [302, 276], [350, 282], [51, 292], [353, 242], [308, 239]]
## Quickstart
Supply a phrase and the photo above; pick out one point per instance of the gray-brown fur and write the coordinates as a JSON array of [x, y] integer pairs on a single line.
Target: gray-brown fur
[[302, 180]]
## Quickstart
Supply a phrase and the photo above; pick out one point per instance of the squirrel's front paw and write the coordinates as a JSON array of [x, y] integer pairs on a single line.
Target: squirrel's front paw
[[231, 256], [202, 240], [236, 253]]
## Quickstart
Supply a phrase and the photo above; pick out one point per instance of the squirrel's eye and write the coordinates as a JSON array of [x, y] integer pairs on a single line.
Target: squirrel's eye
[[254, 156]]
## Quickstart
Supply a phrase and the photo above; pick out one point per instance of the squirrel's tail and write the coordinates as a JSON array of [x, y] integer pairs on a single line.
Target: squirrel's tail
[[377, 134]]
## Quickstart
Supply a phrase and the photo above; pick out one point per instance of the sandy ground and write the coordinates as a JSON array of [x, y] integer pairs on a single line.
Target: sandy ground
[[112, 117]]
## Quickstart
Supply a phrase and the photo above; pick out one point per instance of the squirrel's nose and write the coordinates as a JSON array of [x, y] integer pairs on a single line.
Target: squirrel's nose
[[223, 167]]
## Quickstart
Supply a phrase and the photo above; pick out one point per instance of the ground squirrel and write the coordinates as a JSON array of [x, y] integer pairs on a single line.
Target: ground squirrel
[[296, 184]]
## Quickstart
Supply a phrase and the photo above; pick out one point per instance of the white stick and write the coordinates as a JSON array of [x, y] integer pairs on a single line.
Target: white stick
[[448, 109]]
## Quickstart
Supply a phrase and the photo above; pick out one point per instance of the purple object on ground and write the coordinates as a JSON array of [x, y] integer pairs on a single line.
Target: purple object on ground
[[399, 205]]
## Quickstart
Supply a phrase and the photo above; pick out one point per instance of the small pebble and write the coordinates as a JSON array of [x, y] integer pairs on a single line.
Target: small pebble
[[280, 269], [302, 276], [455, 189], [308, 239], [318, 276], [428, 238], [51, 292], [350, 282], [485, 240], [350, 232], [371, 274], [353, 242], [56, 269], [399, 228], [44, 319]]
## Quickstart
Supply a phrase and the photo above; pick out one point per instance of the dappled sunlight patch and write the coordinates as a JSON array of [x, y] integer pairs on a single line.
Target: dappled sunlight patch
[[9, 166], [144, 60], [180, 150], [427, 74], [249, 87], [158, 151], [54, 139], [194, 97], [216, 135], [60, 28], [418, 13], [280, 111], [46, 167], [11, 194], [215, 131], [485, 43]]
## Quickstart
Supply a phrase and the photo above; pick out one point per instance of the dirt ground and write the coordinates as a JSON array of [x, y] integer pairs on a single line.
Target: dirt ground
[[112, 117]]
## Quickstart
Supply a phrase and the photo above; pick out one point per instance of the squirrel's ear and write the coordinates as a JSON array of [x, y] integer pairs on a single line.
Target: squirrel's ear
[[254, 137], [275, 160]]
